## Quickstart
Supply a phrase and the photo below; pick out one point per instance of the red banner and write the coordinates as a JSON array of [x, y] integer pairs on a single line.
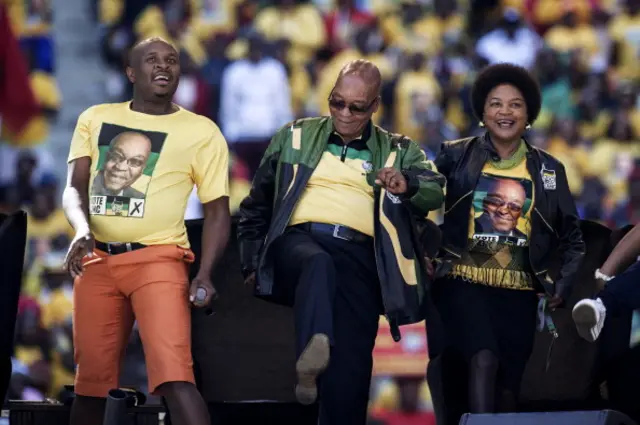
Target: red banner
[[408, 357]]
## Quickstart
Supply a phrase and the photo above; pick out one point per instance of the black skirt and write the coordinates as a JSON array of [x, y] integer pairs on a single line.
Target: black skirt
[[478, 317]]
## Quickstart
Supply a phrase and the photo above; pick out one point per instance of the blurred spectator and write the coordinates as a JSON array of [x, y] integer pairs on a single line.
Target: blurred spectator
[[512, 41], [21, 187], [239, 183], [628, 210], [343, 22], [31, 17], [255, 102], [555, 88], [405, 400], [193, 91], [612, 156], [416, 92], [212, 72], [62, 362], [565, 144], [48, 234], [625, 33], [546, 13], [570, 35], [436, 130], [212, 17], [413, 30], [296, 21], [32, 352]]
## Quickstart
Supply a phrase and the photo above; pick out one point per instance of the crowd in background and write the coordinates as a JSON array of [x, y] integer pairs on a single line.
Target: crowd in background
[[253, 66]]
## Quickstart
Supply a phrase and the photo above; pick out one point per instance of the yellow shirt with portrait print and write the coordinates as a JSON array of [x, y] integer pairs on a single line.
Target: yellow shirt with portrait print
[[184, 149], [495, 257]]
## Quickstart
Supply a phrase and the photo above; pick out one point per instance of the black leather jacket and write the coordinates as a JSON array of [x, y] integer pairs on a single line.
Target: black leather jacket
[[555, 222]]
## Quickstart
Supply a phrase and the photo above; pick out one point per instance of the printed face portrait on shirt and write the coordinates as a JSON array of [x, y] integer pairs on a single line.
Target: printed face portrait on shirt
[[126, 160], [501, 206], [124, 170]]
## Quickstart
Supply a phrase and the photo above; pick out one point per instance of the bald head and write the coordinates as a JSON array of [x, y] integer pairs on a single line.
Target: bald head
[[131, 137], [355, 98], [366, 71], [138, 49]]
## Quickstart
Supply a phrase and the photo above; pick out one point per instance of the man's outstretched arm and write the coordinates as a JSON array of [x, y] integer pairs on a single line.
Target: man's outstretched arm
[[75, 202], [215, 234], [624, 254]]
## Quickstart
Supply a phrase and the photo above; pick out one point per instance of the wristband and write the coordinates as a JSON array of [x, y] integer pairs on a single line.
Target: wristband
[[599, 275]]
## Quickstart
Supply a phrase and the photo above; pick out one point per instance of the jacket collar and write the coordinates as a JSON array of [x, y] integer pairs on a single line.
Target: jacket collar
[[358, 143], [365, 136]]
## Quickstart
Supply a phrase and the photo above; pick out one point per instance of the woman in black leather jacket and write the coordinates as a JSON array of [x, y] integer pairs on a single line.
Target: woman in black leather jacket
[[507, 209]]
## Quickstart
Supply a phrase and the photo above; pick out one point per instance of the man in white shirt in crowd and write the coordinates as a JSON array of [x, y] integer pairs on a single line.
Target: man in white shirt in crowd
[[512, 41], [255, 102]]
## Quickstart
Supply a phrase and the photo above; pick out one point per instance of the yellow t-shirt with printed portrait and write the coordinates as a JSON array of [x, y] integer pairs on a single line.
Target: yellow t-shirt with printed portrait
[[144, 168]]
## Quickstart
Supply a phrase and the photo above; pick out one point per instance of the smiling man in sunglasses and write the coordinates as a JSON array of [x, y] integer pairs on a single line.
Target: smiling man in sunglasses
[[328, 228]]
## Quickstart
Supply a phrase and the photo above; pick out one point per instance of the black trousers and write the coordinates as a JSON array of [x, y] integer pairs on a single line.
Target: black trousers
[[334, 288], [622, 294]]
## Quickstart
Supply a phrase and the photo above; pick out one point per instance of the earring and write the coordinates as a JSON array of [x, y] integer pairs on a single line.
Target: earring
[[527, 127], [481, 124]]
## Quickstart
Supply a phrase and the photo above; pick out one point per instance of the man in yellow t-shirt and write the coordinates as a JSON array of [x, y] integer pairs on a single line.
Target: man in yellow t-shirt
[[132, 167]]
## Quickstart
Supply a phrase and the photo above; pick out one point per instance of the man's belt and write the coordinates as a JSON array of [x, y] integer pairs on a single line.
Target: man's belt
[[337, 231], [114, 248]]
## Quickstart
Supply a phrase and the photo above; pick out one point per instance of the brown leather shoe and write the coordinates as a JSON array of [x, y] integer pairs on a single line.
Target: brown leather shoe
[[312, 362]]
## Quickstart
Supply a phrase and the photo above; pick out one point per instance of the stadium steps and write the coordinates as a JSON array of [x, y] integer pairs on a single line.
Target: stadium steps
[[79, 71]]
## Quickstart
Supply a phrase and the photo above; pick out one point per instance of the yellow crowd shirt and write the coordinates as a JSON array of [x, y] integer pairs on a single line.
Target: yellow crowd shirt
[[415, 93], [499, 228], [144, 168], [302, 25], [623, 30]]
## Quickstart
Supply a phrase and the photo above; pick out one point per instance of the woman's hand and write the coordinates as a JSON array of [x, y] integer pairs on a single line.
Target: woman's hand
[[554, 302], [429, 266]]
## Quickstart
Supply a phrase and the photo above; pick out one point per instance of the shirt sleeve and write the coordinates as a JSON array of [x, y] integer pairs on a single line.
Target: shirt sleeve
[[81, 145], [211, 168]]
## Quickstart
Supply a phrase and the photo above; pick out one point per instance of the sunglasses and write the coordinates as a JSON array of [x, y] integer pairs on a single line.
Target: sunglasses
[[354, 109], [500, 203]]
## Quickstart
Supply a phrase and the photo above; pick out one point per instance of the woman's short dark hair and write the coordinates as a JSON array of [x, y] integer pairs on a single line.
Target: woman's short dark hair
[[505, 73]]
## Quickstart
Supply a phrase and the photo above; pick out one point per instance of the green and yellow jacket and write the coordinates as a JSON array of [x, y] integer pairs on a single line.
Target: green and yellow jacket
[[286, 167]]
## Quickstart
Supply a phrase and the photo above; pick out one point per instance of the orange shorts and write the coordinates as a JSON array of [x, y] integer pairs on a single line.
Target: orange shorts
[[149, 285]]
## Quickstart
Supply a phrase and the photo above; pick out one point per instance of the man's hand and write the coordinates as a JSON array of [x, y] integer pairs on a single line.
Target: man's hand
[[202, 291], [554, 302], [81, 245], [392, 180], [251, 279]]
